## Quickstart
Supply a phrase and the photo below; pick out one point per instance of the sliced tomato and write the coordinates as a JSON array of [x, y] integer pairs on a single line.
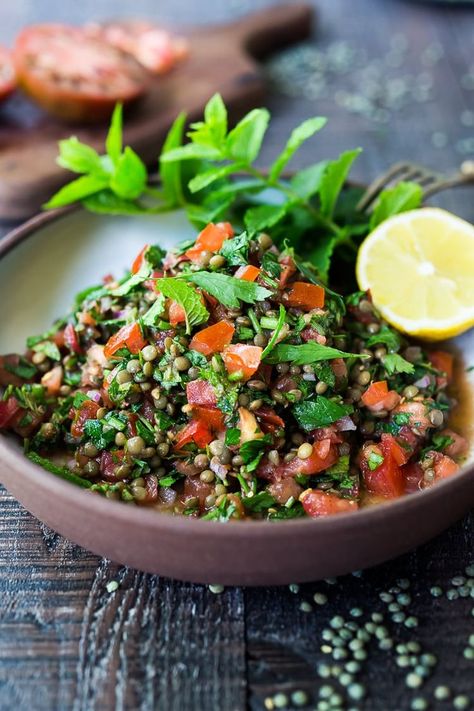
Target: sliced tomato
[[73, 76], [213, 339], [70, 339], [304, 296], [7, 74], [195, 431], [8, 410], [387, 478], [210, 239], [201, 392], [52, 380], [242, 359], [321, 503], [151, 45], [139, 259], [247, 273], [86, 411], [129, 336], [444, 362]]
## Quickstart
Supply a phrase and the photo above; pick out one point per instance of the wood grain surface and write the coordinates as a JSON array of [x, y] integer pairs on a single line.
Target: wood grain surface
[[155, 644]]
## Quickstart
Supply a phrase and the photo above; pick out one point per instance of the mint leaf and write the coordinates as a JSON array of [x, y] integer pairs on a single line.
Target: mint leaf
[[306, 354], [170, 173], [394, 363], [154, 312], [78, 157], [264, 216], [244, 141], [298, 136], [215, 117], [307, 182], [132, 281], [387, 337], [235, 250], [130, 176], [232, 436], [190, 151], [228, 290], [105, 202], [404, 196], [113, 142], [333, 180], [77, 190], [252, 452], [202, 180], [321, 254], [185, 296], [311, 414]]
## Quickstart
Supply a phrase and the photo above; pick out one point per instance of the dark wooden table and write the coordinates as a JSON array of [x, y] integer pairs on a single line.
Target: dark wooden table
[[68, 643]]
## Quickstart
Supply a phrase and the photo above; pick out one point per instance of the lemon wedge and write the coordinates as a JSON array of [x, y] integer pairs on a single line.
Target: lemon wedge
[[419, 267]]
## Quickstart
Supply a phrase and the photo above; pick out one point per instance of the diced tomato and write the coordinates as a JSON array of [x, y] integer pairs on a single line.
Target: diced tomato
[[247, 273], [139, 259], [418, 414], [213, 339], [269, 420], [211, 416], [210, 239], [330, 433], [324, 455], [86, 411], [8, 409], [444, 466], [396, 450], [304, 296], [52, 380], [201, 392], [248, 426], [195, 431], [386, 479], [321, 503], [129, 336], [243, 359], [444, 362], [458, 446], [70, 339], [288, 269], [375, 393], [176, 313]]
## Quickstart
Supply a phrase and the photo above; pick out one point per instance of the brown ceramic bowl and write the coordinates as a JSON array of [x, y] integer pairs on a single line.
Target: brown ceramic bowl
[[42, 265]]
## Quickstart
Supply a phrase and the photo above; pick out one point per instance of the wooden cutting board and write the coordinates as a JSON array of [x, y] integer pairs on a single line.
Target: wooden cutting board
[[222, 58]]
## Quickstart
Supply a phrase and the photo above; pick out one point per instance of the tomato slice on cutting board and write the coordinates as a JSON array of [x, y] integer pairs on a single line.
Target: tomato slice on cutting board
[[153, 46], [7, 74], [73, 76]]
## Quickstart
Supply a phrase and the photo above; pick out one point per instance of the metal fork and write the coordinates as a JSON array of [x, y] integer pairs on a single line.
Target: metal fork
[[431, 181]]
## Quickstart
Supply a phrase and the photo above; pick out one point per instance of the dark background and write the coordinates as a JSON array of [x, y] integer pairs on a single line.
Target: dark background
[[396, 78]]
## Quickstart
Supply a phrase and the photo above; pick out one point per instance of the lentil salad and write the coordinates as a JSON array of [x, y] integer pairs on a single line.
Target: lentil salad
[[223, 380]]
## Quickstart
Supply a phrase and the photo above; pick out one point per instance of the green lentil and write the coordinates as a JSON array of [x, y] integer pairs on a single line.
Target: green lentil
[[461, 702], [436, 591], [468, 653], [294, 588], [356, 612], [337, 622], [280, 701], [305, 606], [419, 704], [324, 671], [356, 691], [320, 598], [112, 586]]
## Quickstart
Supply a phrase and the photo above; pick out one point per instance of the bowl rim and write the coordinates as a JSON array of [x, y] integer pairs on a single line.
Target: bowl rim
[[10, 456]]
